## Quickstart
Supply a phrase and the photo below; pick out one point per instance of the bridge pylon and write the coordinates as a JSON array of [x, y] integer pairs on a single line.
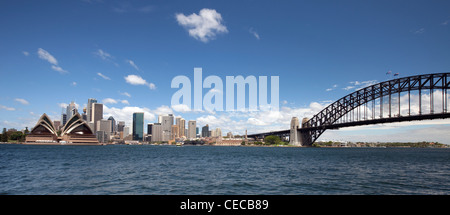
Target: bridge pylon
[[297, 137]]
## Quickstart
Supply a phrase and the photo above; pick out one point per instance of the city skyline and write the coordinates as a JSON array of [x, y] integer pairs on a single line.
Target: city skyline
[[124, 54]]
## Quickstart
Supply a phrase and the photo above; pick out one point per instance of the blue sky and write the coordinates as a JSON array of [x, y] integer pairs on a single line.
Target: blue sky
[[55, 52]]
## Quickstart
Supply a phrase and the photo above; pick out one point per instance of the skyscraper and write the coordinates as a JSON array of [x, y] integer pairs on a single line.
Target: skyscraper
[[205, 131], [138, 126], [71, 110], [155, 130], [113, 124], [89, 109], [181, 123], [167, 122], [192, 127], [120, 126], [97, 113]]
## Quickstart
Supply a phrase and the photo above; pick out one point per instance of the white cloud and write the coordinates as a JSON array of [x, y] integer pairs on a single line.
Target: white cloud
[[103, 55], [203, 26], [181, 108], [26, 53], [22, 101], [254, 33], [114, 101], [103, 76], [133, 64], [7, 108], [138, 80], [125, 94], [359, 84], [47, 56], [420, 31], [43, 54], [74, 83], [109, 101], [59, 69]]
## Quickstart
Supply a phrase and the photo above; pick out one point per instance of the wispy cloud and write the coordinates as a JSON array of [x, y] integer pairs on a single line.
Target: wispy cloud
[[74, 84], [332, 88], [7, 108], [125, 94], [445, 22], [420, 31], [252, 31], [105, 56], [203, 26], [103, 76], [59, 69], [133, 64], [360, 84], [22, 101], [25, 53], [138, 80], [45, 55]]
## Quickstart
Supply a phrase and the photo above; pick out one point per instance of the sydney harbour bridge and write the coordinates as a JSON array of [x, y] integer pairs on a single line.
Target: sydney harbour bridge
[[420, 97]]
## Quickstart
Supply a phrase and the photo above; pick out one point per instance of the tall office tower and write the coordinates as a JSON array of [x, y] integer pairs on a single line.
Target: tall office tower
[[126, 131], [177, 122], [181, 123], [57, 124], [138, 126], [113, 124], [167, 122], [97, 114], [71, 110], [89, 109], [216, 133], [174, 132], [192, 126], [103, 130], [156, 131], [84, 115], [63, 119], [205, 131], [120, 126]]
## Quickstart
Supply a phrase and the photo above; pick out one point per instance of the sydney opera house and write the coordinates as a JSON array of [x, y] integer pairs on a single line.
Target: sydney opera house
[[75, 132]]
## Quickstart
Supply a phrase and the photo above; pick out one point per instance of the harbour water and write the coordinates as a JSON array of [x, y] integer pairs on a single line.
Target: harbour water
[[146, 169]]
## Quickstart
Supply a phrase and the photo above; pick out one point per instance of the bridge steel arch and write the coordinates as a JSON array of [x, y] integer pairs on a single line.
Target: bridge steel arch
[[331, 117]]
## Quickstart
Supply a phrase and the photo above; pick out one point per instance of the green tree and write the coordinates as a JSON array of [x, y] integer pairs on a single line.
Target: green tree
[[4, 137], [272, 140]]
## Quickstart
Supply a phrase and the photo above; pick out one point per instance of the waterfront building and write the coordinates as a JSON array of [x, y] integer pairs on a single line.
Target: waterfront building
[[192, 126], [155, 130], [71, 110], [57, 124], [167, 122], [97, 114], [181, 123], [63, 119], [126, 131], [205, 131], [174, 132], [89, 109], [104, 125], [113, 124], [75, 132], [138, 126], [120, 126]]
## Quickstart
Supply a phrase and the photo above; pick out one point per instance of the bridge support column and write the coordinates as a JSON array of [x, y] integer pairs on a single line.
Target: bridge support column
[[294, 137]]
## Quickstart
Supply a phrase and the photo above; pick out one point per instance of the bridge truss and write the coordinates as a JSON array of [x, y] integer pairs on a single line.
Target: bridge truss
[[388, 101]]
